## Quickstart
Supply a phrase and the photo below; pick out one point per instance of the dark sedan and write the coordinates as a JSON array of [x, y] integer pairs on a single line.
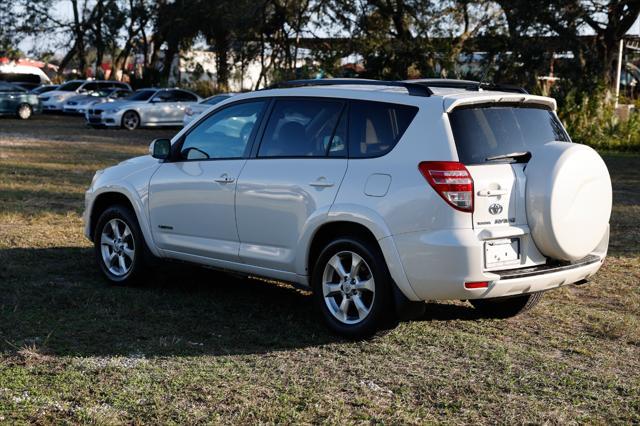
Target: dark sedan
[[15, 100]]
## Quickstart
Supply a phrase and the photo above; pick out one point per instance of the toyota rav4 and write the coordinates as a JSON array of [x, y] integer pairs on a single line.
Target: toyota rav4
[[376, 195]]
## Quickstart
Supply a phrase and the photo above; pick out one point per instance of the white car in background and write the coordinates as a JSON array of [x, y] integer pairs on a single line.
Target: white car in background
[[194, 111], [375, 195], [55, 99], [145, 108], [79, 104]]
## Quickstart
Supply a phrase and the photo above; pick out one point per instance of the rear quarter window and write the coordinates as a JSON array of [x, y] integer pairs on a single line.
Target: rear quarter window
[[375, 127], [487, 131]]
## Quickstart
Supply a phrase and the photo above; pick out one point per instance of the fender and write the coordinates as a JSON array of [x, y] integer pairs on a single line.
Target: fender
[[139, 207], [373, 222]]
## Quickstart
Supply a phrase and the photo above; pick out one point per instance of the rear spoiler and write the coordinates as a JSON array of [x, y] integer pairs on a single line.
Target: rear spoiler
[[451, 103]]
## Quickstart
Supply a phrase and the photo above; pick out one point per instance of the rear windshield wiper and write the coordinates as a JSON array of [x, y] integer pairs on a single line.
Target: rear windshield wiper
[[516, 157]]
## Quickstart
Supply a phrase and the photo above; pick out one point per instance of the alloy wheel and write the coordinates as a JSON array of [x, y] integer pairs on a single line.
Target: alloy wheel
[[117, 247], [24, 111], [348, 287], [131, 120]]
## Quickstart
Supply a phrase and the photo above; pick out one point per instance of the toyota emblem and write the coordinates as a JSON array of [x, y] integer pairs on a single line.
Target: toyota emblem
[[495, 209]]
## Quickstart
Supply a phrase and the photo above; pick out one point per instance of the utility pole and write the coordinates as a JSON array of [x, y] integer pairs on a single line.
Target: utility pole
[[618, 71]]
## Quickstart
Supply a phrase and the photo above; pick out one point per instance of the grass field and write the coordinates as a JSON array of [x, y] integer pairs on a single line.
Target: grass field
[[200, 346]]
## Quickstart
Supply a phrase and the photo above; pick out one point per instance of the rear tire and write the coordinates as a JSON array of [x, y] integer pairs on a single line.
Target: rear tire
[[119, 246], [24, 111], [506, 307], [352, 288]]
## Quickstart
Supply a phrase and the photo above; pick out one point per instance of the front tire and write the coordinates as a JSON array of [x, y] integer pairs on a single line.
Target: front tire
[[352, 288], [506, 307], [119, 246], [130, 120], [24, 111]]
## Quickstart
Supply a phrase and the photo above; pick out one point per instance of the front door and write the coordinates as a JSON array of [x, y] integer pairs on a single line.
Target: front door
[[160, 109], [191, 198], [293, 180]]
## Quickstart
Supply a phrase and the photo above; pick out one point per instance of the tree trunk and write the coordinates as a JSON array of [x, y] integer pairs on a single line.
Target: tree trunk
[[221, 48]]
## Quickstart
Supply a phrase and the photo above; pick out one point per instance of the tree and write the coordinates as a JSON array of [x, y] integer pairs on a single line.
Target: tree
[[610, 20]]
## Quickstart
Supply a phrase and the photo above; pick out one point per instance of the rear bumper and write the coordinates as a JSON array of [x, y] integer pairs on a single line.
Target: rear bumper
[[438, 264]]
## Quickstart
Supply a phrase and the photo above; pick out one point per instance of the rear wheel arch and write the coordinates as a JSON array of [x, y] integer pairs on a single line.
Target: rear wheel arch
[[333, 230]]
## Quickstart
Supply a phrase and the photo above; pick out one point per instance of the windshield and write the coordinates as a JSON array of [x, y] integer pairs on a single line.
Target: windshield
[[492, 131], [215, 99], [71, 86], [141, 95]]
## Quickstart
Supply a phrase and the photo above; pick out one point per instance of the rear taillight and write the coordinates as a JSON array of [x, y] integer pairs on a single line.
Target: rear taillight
[[452, 182]]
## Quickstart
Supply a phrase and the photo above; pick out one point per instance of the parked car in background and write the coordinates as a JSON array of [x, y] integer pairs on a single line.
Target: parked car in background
[[79, 104], [375, 195], [55, 99], [14, 100], [193, 111], [44, 89], [146, 107]]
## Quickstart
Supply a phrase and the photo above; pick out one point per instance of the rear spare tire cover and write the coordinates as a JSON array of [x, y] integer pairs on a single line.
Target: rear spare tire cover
[[568, 199]]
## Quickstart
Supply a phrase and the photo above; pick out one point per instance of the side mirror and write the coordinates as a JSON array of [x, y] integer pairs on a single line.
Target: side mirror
[[160, 149]]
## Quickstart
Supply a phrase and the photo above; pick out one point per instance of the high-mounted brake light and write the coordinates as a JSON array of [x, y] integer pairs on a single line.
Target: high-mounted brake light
[[452, 182]]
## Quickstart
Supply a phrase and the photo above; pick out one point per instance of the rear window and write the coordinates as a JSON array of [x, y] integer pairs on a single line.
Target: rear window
[[483, 132], [375, 127]]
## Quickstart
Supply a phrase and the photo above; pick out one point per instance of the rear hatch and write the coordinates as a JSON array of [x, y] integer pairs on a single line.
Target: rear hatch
[[494, 141]]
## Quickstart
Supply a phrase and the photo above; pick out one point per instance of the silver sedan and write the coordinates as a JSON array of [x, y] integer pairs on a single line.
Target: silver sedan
[[145, 108]]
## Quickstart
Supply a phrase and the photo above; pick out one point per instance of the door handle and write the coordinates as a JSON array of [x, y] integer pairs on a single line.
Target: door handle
[[224, 179], [321, 183], [491, 192]]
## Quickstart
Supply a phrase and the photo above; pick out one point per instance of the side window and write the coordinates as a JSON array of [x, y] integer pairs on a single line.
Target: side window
[[90, 87], [224, 134], [300, 128], [338, 147], [376, 127], [163, 96], [182, 96], [120, 86]]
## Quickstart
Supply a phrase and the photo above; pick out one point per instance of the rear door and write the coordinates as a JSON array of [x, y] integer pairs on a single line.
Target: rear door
[[495, 142], [291, 181], [160, 110], [184, 99]]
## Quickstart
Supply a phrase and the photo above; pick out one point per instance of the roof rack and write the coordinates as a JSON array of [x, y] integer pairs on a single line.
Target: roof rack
[[413, 88], [467, 85]]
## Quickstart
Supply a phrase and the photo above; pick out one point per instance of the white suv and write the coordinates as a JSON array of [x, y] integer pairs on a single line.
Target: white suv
[[375, 195]]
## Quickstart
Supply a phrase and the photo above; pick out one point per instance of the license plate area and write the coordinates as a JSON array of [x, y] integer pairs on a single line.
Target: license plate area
[[501, 252]]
